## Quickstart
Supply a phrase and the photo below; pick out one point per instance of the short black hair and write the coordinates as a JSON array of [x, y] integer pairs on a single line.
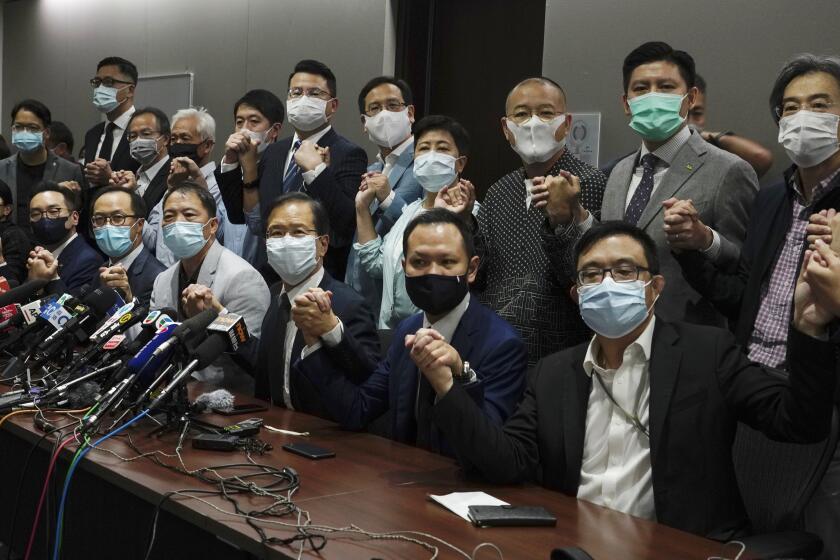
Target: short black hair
[[319, 213], [447, 124], [799, 66], [656, 51], [441, 216], [60, 132], [71, 197], [202, 193], [615, 228], [126, 67], [138, 205], [265, 102], [162, 119], [700, 83], [6, 194], [36, 108], [319, 69], [403, 86]]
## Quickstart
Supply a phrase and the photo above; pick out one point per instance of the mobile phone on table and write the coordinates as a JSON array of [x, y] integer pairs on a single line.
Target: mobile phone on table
[[309, 451], [241, 409]]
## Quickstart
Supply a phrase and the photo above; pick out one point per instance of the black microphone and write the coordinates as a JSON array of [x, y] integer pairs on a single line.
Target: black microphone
[[90, 312], [188, 331], [22, 293]]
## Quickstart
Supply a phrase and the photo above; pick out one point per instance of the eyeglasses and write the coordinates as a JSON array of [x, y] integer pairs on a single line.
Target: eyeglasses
[[276, 233], [145, 134], [107, 82], [522, 116], [99, 220], [791, 108], [298, 92], [33, 128], [376, 108], [621, 273], [51, 213]]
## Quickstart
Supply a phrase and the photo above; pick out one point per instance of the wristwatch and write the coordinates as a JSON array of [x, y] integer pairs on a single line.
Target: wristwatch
[[251, 185], [467, 374]]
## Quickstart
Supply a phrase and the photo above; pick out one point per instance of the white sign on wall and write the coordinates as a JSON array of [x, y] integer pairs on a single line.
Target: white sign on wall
[[583, 140]]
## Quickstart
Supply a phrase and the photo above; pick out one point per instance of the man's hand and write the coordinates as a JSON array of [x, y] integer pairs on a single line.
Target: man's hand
[[116, 277], [42, 264], [98, 172], [310, 155], [365, 195], [824, 225], [817, 296], [72, 185], [124, 179], [558, 198], [196, 298], [683, 227], [435, 359], [183, 168], [312, 313], [379, 183], [458, 198], [238, 146]]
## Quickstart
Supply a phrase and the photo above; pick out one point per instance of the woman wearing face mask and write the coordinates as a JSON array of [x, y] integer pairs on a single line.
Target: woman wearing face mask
[[440, 155]]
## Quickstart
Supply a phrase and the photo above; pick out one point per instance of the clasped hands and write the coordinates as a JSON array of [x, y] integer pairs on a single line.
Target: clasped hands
[[435, 358]]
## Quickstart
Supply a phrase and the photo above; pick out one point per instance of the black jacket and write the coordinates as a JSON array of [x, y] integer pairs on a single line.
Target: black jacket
[[16, 247], [122, 159], [141, 275]]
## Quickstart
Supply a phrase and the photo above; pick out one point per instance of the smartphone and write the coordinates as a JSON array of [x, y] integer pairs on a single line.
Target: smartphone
[[309, 451], [241, 409]]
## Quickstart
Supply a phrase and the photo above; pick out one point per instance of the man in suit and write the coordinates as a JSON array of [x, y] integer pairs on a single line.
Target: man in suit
[[34, 163], [387, 113], [316, 160], [311, 313], [454, 333], [642, 418], [60, 141], [60, 255], [106, 145], [14, 241], [117, 220], [209, 276]]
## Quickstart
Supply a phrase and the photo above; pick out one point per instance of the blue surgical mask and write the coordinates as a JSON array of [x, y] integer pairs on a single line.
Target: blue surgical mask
[[115, 241], [656, 116], [105, 98], [613, 309], [435, 170], [184, 239], [26, 141]]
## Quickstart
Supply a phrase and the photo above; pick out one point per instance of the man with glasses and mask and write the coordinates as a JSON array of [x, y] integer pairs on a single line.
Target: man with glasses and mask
[[311, 312], [106, 146], [315, 160], [209, 276], [641, 419], [60, 256]]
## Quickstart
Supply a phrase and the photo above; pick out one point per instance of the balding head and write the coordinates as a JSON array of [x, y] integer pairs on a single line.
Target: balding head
[[546, 86]]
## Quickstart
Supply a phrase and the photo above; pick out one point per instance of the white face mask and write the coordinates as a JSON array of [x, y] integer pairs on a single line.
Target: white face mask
[[388, 129], [535, 139], [258, 136], [809, 138], [292, 258], [435, 170], [307, 113]]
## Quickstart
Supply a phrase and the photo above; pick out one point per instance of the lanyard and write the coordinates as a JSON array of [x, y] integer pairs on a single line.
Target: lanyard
[[633, 419]]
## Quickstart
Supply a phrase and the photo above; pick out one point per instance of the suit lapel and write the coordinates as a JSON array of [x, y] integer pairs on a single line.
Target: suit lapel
[[615, 196], [207, 274], [576, 386], [51, 169], [406, 158], [465, 331], [664, 369]]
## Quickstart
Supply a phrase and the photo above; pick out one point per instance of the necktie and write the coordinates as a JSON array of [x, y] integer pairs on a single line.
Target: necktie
[[276, 382], [107, 142], [292, 179], [641, 197]]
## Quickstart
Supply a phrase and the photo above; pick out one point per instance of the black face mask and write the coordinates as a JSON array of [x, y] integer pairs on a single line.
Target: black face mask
[[185, 150], [436, 294], [49, 231]]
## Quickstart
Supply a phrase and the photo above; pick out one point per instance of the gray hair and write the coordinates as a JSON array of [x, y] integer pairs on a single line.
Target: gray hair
[[801, 64], [205, 123]]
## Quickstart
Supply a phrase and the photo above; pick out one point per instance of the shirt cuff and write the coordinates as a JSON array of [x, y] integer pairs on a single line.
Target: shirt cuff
[[359, 246], [712, 252], [225, 167], [309, 176], [307, 350], [331, 339], [584, 226], [388, 200]]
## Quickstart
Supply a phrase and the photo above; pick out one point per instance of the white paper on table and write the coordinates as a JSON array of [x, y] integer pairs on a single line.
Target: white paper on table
[[459, 502], [529, 184]]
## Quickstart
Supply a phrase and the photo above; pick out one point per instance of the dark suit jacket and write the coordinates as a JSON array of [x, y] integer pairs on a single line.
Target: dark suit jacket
[[122, 159], [491, 346], [335, 188], [16, 247], [141, 275], [701, 385], [156, 189], [78, 264], [356, 355]]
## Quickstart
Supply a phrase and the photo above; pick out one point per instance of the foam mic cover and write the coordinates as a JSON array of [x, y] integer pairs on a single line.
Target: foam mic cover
[[84, 395], [22, 293], [147, 359], [100, 301], [218, 399]]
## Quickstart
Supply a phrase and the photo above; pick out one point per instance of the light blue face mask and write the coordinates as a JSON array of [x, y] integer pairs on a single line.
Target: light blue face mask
[[184, 239], [105, 98], [115, 241], [435, 170], [26, 141], [613, 309], [656, 116]]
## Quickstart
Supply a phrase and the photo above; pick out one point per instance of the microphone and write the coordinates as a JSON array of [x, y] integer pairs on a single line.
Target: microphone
[[189, 329], [94, 306], [113, 318], [22, 293], [123, 322], [15, 317], [219, 399]]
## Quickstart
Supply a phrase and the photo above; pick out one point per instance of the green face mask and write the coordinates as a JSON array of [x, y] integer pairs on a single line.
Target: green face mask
[[656, 116]]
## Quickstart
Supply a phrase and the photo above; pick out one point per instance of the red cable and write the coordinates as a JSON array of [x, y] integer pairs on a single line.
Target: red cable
[[53, 461]]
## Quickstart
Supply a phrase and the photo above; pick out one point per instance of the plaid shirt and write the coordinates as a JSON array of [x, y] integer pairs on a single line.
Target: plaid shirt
[[768, 341]]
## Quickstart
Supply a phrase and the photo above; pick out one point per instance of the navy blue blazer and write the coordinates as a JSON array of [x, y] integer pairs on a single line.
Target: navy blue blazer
[[335, 188], [78, 264], [356, 356], [141, 275], [488, 342]]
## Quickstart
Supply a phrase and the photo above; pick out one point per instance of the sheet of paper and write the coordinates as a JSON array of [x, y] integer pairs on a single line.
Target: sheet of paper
[[458, 502]]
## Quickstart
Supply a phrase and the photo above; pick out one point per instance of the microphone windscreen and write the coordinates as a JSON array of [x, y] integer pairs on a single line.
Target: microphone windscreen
[[22, 293], [218, 399], [84, 395], [100, 300]]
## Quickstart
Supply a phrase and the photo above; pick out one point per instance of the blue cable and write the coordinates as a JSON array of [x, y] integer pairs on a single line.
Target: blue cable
[[60, 519]]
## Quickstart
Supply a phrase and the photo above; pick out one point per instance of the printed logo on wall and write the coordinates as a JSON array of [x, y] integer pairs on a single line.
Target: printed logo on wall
[[583, 140]]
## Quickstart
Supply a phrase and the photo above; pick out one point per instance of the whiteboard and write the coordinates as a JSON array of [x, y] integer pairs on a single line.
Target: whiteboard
[[167, 92]]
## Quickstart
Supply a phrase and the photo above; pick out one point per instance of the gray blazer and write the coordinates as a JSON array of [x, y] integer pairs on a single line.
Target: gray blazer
[[57, 169], [722, 187], [241, 289]]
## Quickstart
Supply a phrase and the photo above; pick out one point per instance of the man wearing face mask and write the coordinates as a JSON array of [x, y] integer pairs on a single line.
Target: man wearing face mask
[[311, 313], [455, 334], [387, 115], [258, 116], [759, 295], [60, 256], [316, 160], [441, 150], [209, 276], [526, 261], [33, 162], [641, 419], [148, 137], [117, 220]]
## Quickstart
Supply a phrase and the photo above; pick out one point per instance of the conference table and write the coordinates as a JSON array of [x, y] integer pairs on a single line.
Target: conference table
[[373, 483]]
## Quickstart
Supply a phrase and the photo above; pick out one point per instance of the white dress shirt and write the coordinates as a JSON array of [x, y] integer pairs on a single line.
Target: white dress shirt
[[58, 250], [311, 175], [146, 175], [616, 471], [129, 258], [120, 123]]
